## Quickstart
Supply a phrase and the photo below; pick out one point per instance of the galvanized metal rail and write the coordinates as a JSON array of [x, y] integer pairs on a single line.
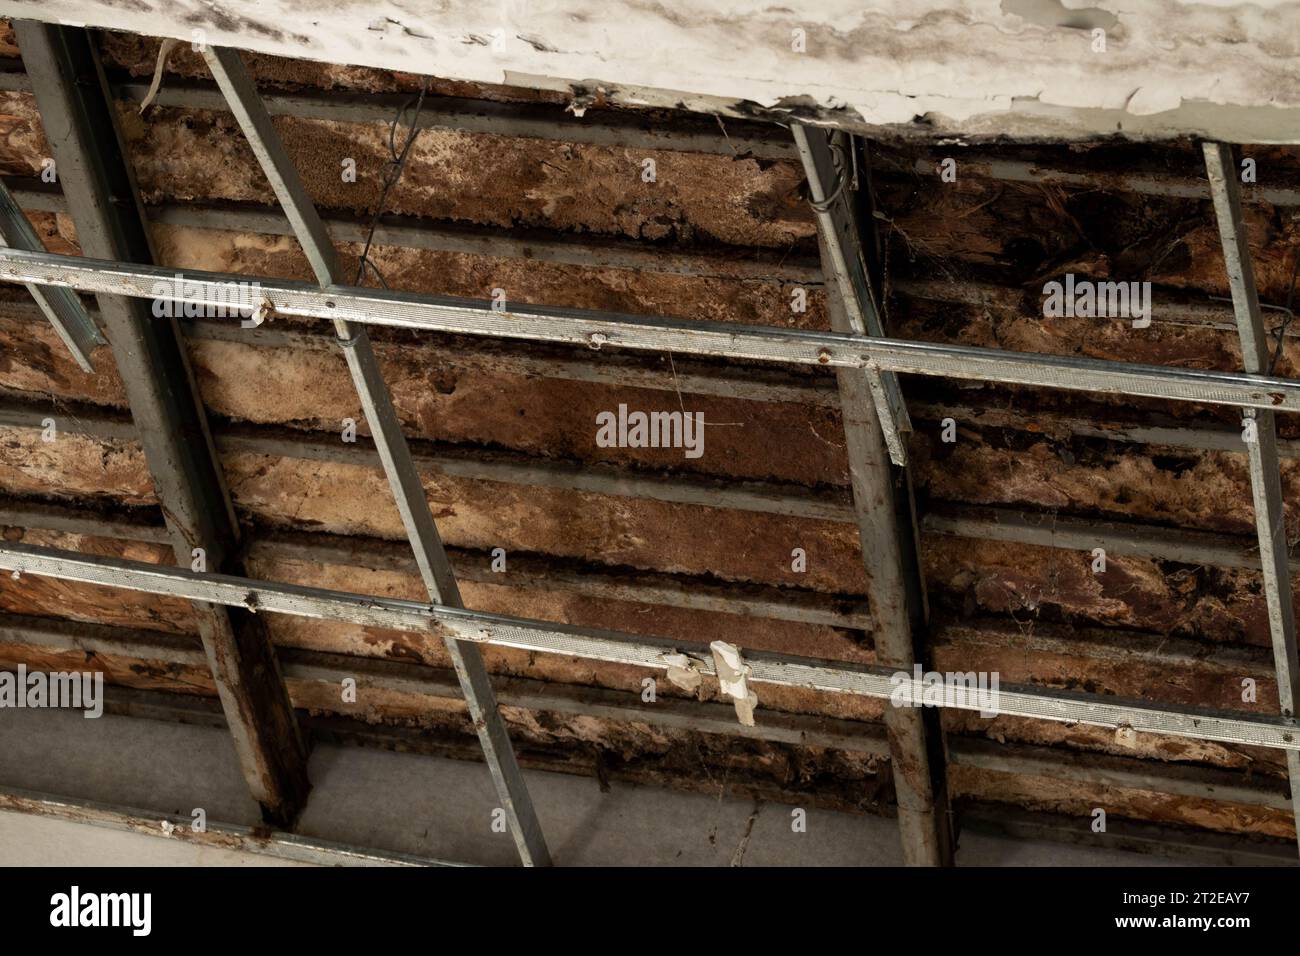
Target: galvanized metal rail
[[600, 329], [451, 623], [386, 430], [829, 163], [61, 306], [707, 717], [1261, 443], [875, 430]]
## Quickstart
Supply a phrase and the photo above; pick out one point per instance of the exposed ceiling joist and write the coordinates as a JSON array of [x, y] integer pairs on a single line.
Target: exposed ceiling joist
[[153, 364]]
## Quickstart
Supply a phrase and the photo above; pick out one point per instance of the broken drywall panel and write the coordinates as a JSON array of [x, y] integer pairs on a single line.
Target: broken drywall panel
[[1023, 68]]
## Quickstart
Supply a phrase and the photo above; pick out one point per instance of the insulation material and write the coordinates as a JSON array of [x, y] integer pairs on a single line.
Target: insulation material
[[964, 265]]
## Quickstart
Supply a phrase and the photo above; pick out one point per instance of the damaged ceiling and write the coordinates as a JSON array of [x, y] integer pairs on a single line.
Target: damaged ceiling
[[975, 68], [505, 188]]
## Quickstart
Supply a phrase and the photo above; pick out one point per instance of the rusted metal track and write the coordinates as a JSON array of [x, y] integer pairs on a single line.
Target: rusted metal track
[[599, 330]]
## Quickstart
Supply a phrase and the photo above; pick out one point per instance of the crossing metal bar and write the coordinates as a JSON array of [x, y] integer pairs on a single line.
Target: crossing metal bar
[[450, 623], [875, 427], [1261, 442], [831, 170], [51, 636], [603, 329], [386, 430], [61, 306]]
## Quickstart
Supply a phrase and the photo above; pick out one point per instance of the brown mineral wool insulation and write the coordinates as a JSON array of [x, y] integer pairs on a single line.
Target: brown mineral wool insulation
[[485, 179], [1069, 797], [1018, 657], [73, 466], [636, 292], [1173, 243], [137, 673], [631, 617], [84, 602], [525, 281], [1207, 491], [968, 222], [1009, 325], [481, 178], [696, 761], [1019, 326], [1195, 347], [1126, 344], [1212, 604], [389, 707], [635, 740], [792, 700], [1178, 487], [501, 409], [375, 642], [1102, 740], [33, 359], [439, 399], [1011, 320], [717, 297], [292, 492], [1065, 416], [730, 545], [531, 731], [1151, 599], [54, 597], [382, 705], [56, 233], [968, 574], [353, 499], [22, 139], [1124, 664], [978, 222]]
